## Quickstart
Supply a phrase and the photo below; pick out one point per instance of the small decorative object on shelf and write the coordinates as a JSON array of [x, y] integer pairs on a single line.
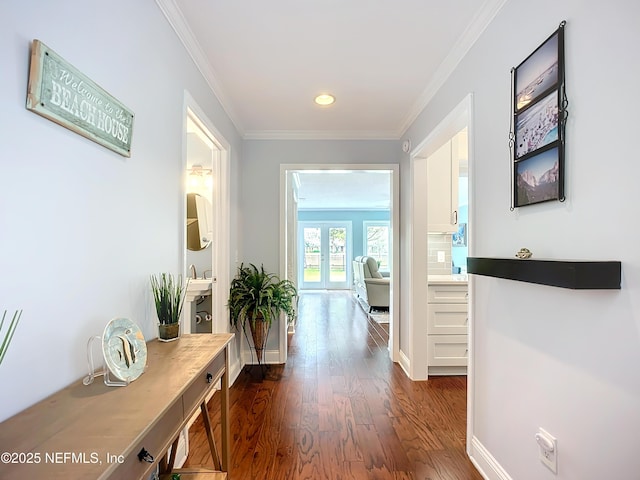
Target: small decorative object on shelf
[[524, 253], [168, 295], [8, 335]]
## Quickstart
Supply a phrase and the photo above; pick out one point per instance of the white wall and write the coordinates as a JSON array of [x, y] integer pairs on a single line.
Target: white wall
[[260, 195], [82, 228], [567, 361]]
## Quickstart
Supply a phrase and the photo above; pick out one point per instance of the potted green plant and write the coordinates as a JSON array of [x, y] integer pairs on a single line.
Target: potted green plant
[[256, 298], [168, 296]]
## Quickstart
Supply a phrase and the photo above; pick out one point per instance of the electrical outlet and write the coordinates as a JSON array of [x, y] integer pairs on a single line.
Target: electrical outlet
[[440, 256], [547, 449]]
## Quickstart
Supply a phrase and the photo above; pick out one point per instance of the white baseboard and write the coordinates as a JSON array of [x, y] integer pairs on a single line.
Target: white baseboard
[[488, 466], [436, 371], [405, 363], [270, 357], [235, 369]]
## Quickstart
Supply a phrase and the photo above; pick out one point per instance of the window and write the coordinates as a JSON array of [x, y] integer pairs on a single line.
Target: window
[[376, 242]]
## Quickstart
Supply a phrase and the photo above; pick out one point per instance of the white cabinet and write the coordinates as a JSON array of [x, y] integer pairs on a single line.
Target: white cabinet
[[447, 351], [447, 327], [442, 189]]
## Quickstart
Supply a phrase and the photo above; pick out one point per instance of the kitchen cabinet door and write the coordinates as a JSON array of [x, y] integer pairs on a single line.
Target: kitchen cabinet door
[[442, 190]]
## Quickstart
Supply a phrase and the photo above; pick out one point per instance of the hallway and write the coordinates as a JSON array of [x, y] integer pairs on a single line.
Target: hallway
[[340, 409]]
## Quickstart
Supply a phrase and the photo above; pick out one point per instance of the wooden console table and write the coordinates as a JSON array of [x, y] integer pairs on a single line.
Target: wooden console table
[[98, 432]]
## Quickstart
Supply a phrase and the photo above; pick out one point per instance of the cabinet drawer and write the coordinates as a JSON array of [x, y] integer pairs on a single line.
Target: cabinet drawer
[[447, 294], [156, 441], [196, 392], [444, 318], [447, 350]]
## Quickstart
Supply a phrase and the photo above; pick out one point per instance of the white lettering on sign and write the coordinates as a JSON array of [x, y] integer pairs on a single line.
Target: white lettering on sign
[[69, 101]]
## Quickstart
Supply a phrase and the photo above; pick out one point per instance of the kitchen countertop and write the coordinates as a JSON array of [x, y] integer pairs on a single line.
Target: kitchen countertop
[[459, 279]]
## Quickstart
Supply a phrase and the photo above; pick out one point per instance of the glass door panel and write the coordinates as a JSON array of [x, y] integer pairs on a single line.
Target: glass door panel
[[312, 272], [337, 255], [326, 247]]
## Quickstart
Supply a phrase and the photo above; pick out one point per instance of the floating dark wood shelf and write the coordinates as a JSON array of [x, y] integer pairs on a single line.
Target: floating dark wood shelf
[[577, 275]]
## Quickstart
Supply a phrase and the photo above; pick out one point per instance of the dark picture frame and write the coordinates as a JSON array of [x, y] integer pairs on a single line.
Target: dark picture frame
[[537, 126], [538, 177], [539, 114], [538, 73]]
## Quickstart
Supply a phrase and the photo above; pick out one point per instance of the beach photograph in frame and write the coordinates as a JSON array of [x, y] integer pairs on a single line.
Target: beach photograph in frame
[[539, 177], [537, 126], [538, 73]]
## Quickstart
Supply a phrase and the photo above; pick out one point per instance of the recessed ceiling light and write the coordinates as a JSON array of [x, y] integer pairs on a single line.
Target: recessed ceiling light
[[325, 99]]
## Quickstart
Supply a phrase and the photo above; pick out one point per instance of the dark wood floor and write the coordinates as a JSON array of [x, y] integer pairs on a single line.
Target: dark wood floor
[[340, 409]]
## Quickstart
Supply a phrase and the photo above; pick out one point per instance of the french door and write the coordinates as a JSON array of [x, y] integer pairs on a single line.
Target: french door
[[325, 250]]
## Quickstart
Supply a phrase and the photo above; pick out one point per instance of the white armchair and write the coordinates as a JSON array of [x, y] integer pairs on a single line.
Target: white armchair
[[369, 283]]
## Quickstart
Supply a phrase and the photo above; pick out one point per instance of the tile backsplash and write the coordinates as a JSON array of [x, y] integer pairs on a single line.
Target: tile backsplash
[[439, 242]]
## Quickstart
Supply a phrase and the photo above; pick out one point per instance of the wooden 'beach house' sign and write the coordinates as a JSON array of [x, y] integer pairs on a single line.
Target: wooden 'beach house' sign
[[61, 93]]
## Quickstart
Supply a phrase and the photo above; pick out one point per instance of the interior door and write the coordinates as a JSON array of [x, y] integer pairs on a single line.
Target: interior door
[[326, 251]]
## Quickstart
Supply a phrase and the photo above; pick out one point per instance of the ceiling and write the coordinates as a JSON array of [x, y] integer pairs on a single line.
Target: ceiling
[[343, 189], [383, 60]]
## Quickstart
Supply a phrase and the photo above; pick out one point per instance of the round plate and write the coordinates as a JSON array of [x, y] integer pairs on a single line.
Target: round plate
[[124, 349]]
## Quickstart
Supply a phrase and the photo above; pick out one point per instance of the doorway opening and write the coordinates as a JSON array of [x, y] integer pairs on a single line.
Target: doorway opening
[[206, 199], [452, 139], [336, 232]]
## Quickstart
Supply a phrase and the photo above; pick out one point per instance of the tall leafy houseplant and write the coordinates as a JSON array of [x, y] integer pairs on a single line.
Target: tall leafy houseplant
[[168, 295], [256, 298]]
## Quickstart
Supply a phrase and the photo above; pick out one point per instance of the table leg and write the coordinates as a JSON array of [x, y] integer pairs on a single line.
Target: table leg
[[224, 414], [212, 444]]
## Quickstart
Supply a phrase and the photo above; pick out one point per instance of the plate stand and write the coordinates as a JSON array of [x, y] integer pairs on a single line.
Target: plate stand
[[105, 372]]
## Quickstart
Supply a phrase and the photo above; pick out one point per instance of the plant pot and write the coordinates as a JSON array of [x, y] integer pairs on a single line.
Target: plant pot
[[259, 333], [168, 332]]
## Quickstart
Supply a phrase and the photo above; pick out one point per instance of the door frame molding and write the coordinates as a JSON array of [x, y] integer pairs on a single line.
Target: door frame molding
[[461, 115], [221, 203], [394, 305]]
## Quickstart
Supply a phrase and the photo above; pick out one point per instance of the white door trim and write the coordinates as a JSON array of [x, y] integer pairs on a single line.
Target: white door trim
[[394, 168], [221, 212], [458, 118]]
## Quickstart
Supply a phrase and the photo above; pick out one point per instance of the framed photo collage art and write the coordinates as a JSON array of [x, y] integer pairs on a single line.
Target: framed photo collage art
[[537, 134]]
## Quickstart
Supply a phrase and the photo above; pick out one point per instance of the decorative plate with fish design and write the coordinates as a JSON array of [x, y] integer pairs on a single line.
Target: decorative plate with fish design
[[124, 349]]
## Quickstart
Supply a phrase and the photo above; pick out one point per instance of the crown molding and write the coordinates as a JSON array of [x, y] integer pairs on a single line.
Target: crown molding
[[318, 135], [469, 37], [177, 21]]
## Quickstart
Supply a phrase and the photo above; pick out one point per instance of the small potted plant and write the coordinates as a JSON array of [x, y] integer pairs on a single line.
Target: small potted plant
[[256, 298], [168, 295]]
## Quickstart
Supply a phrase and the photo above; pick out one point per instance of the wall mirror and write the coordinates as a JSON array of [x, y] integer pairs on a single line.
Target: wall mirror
[[199, 215], [199, 231]]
